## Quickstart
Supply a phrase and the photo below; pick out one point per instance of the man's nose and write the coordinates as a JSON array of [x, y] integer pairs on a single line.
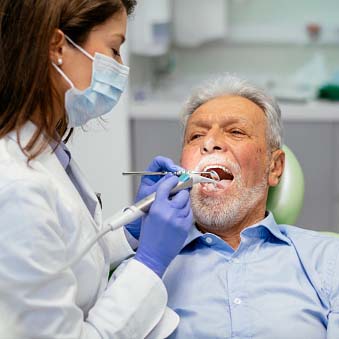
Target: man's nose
[[214, 142]]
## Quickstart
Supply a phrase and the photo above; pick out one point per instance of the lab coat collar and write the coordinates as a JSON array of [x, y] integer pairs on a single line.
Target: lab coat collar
[[48, 162], [87, 189], [25, 134]]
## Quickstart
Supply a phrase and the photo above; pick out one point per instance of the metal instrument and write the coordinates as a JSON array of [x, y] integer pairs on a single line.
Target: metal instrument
[[211, 174]]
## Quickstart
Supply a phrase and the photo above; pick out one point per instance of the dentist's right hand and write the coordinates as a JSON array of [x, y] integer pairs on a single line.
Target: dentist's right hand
[[165, 228]]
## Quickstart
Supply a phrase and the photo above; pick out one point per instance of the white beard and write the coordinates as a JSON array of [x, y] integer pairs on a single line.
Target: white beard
[[223, 212]]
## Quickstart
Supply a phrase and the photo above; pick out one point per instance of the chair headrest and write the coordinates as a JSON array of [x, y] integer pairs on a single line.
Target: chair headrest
[[286, 199]]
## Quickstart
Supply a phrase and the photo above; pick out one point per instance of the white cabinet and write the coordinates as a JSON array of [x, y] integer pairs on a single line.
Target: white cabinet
[[315, 148], [283, 21]]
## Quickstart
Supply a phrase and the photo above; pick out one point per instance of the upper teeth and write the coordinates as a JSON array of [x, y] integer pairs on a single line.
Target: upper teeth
[[217, 166]]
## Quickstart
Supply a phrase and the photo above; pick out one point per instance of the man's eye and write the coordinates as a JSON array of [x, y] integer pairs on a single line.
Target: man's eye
[[195, 136], [116, 52], [237, 132]]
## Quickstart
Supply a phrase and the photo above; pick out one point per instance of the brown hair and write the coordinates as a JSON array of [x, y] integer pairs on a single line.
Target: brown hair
[[26, 88]]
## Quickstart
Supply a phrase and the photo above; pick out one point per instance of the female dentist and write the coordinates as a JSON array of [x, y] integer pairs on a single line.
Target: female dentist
[[60, 67]]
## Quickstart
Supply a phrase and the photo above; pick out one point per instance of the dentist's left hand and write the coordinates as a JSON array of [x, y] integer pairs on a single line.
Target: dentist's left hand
[[149, 185], [165, 227]]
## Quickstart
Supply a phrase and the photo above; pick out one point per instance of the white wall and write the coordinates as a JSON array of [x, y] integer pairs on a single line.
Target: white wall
[[103, 153], [275, 54]]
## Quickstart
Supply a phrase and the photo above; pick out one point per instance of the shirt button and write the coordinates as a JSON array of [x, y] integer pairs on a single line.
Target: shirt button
[[237, 301], [236, 260], [209, 240]]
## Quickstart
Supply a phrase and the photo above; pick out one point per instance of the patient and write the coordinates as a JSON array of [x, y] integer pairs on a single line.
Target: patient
[[240, 275]]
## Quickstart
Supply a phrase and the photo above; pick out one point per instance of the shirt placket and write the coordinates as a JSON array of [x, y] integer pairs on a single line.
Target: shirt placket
[[237, 294]]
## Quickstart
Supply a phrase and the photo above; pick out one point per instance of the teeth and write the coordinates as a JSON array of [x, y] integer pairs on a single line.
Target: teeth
[[217, 166]]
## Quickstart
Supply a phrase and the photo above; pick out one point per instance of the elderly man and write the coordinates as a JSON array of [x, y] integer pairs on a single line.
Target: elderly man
[[240, 275]]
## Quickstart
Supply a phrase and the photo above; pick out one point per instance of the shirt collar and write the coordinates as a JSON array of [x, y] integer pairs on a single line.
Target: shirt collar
[[63, 154], [192, 235], [268, 224]]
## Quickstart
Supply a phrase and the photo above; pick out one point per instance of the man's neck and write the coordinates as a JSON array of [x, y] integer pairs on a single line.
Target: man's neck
[[231, 234]]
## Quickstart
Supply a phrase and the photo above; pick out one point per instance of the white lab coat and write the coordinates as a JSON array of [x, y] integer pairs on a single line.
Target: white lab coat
[[43, 224]]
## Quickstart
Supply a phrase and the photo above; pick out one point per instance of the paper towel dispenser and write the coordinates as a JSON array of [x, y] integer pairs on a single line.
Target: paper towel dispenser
[[199, 21], [150, 28]]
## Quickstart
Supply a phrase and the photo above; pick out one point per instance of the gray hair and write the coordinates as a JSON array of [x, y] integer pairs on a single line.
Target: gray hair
[[234, 86]]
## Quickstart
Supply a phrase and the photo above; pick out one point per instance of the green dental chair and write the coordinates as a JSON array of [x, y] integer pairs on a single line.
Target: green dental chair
[[286, 199]]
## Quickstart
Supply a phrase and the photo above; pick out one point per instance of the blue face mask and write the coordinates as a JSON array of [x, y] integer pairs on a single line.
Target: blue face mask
[[109, 79]]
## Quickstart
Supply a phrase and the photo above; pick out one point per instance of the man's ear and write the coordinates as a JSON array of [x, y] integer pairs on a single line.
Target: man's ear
[[56, 47], [276, 167]]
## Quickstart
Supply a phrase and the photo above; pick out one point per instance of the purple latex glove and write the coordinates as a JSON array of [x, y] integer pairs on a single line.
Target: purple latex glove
[[149, 184], [165, 227]]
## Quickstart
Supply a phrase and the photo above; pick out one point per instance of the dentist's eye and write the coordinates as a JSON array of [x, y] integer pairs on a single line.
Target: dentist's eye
[[116, 52]]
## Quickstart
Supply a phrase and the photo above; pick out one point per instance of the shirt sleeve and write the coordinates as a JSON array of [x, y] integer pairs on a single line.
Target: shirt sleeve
[[35, 302], [333, 317], [133, 242], [119, 245]]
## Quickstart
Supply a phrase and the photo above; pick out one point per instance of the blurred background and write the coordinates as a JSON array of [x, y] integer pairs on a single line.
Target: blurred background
[[291, 48]]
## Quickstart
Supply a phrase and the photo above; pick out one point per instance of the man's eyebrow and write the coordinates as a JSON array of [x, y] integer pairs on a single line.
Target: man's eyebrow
[[224, 121]]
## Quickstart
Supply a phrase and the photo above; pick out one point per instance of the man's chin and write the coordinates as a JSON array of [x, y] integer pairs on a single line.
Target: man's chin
[[213, 210]]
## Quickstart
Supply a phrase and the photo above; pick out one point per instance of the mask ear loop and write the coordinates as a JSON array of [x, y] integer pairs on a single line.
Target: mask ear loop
[[63, 75], [79, 48]]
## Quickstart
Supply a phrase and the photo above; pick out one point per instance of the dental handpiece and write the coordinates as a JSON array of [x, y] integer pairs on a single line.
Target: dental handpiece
[[136, 211], [127, 216]]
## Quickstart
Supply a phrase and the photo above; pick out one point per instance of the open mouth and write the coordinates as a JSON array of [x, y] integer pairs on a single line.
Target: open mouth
[[221, 174]]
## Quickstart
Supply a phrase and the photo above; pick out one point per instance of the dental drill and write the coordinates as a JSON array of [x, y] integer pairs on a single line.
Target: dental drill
[[131, 213]]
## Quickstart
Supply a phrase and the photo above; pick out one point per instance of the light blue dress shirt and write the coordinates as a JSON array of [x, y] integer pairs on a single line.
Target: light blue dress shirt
[[281, 283], [64, 156]]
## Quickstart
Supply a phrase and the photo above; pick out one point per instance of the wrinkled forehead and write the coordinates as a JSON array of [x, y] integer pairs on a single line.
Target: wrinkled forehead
[[227, 109]]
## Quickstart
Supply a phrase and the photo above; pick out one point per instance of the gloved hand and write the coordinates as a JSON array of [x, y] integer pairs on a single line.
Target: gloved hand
[[165, 227], [149, 184]]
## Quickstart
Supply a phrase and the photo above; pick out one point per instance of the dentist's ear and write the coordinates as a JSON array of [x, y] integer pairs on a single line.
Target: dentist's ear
[[276, 167], [56, 47]]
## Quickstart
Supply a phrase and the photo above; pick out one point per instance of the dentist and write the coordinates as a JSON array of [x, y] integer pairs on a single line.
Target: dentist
[[60, 66]]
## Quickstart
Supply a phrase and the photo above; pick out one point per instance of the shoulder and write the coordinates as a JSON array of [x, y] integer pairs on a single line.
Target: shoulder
[[22, 186], [15, 170], [27, 194], [318, 242], [319, 254], [317, 246]]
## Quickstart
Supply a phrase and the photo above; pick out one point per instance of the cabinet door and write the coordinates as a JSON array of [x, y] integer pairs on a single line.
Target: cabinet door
[[313, 144], [154, 137], [336, 177]]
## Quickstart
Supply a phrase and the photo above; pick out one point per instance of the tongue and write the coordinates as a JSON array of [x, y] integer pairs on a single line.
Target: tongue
[[223, 175]]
